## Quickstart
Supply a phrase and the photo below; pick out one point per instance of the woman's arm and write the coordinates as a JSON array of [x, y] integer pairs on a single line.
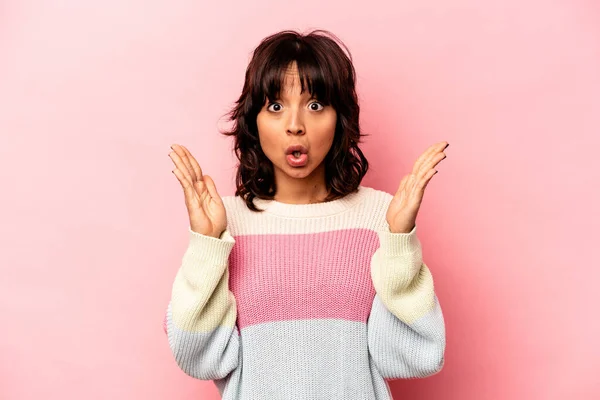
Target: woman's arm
[[200, 322], [406, 331]]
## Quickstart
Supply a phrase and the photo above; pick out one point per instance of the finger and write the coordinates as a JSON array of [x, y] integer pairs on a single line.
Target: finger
[[184, 159], [423, 157], [189, 172], [426, 156], [431, 162], [194, 163], [181, 166], [198, 183], [212, 189], [188, 190], [425, 180]]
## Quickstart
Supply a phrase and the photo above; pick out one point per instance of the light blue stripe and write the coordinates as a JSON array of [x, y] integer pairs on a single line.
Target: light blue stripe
[[204, 355], [406, 351]]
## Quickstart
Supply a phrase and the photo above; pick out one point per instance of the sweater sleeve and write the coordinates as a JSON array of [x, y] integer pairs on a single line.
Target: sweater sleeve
[[405, 329], [200, 321]]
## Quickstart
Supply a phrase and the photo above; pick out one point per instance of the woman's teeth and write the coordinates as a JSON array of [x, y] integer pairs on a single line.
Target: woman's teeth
[[297, 154]]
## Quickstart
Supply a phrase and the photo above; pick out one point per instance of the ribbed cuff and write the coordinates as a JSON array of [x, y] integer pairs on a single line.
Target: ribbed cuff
[[398, 244], [209, 250]]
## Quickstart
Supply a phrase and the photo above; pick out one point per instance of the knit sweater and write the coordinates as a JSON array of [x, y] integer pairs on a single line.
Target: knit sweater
[[306, 301]]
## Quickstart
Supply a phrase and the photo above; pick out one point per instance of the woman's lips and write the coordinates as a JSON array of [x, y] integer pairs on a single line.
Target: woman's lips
[[297, 161]]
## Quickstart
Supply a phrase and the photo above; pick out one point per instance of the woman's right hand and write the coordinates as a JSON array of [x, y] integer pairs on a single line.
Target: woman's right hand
[[205, 206]]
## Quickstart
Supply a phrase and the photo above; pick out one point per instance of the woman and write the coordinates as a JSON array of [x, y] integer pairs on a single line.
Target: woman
[[304, 284]]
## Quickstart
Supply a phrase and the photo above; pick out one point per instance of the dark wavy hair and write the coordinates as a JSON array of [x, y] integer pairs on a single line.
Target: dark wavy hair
[[330, 76]]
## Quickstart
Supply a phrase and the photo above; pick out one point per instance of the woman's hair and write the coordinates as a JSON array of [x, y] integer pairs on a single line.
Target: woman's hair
[[330, 76]]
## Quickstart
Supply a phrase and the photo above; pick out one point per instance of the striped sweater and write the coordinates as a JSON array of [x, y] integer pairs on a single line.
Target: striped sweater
[[306, 301]]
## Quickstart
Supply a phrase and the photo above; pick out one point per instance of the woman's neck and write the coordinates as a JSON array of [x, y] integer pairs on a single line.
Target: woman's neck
[[301, 191], [301, 196]]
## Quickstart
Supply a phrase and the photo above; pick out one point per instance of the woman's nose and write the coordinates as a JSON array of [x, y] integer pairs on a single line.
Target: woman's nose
[[294, 124]]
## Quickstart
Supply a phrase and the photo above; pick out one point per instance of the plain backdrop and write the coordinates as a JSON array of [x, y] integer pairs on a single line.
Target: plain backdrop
[[93, 222]]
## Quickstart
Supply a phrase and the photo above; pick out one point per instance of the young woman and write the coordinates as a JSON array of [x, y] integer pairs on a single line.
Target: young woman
[[304, 284]]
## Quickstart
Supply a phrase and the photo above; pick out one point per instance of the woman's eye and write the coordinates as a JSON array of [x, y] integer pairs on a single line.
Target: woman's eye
[[318, 104], [277, 107], [274, 104]]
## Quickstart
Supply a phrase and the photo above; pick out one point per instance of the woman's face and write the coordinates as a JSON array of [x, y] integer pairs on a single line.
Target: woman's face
[[293, 119]]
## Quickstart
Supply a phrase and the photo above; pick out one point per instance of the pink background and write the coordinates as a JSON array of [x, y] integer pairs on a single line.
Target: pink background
[[94, 224]]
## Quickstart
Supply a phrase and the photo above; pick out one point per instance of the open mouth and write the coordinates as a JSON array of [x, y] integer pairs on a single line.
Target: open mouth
[[297, 159]]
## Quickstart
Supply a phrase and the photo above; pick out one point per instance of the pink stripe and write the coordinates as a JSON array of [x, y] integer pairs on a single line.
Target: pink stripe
[[303, 276]]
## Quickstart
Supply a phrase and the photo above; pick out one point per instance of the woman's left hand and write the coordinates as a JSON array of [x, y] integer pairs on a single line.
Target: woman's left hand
[[402, 211]]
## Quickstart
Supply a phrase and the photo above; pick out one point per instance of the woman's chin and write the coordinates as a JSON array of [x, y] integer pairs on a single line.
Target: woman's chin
[[297, 172]]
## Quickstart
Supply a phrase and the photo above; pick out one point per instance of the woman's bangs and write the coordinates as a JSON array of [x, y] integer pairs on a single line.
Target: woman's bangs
[[311, 75]]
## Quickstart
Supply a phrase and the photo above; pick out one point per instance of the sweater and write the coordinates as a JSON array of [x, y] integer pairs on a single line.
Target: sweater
[[306, 301]]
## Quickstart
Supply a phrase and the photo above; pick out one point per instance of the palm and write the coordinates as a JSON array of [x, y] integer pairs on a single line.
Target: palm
[[206, 210], [205, 207], [404, 206]]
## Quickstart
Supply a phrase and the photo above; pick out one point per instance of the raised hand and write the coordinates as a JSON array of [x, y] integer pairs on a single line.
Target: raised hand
[[402, 211], [204, 205]]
